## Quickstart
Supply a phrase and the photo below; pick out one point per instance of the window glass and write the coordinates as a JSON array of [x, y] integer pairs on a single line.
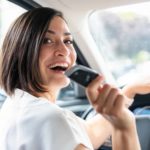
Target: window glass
[[122, 35], [8, 13]]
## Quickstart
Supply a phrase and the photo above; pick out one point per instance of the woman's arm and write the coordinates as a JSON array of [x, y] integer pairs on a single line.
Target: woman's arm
[[99, 129], [110, 102], [140, 85], [126, 139]]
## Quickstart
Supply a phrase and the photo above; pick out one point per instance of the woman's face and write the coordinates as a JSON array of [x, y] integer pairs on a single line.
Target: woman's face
[[57, 54]]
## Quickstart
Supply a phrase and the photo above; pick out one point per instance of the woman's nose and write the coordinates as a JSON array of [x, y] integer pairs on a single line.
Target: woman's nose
[[62, 50]]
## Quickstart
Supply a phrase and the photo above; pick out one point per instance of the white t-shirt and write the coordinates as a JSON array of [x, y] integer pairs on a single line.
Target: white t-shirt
[[31, 123]]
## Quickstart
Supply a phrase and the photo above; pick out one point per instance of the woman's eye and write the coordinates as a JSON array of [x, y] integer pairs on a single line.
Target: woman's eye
[[47, 41], [68, 42]]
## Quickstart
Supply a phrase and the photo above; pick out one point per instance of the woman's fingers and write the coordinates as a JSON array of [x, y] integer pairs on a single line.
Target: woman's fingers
[[109, 101], [92, 89], [102, 98]]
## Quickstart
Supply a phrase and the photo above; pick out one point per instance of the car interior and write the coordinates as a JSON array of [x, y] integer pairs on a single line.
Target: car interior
[[111, 37]]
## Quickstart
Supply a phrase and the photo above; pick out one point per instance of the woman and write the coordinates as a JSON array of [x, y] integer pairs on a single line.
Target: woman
[[36, 52]]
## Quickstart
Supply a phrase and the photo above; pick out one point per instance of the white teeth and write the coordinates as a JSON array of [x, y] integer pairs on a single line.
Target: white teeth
[[59, 64]]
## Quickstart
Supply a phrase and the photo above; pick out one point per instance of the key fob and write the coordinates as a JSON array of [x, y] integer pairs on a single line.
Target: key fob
[[81, 74]]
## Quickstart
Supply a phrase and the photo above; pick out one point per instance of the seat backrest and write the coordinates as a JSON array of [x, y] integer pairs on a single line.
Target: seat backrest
[[143, 129]]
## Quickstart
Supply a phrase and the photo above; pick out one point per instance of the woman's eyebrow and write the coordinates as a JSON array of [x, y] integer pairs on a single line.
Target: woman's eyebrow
[[53, 32]]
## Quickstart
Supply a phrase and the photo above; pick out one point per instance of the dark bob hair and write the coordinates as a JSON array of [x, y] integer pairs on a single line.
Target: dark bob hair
[[19, 66]]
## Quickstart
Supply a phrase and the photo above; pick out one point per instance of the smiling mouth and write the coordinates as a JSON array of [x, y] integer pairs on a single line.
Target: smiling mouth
[[59, 67]]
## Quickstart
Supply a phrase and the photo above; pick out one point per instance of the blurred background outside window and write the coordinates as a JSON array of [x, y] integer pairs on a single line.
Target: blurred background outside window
[[122, 35]]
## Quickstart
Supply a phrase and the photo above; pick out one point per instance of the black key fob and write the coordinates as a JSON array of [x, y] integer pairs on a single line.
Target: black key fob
[[81, 74]]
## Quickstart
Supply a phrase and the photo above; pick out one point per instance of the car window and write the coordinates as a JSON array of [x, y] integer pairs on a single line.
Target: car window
[[8, 13], [122, 35]]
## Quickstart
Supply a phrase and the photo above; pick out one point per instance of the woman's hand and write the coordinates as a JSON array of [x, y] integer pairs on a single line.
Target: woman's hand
[[140, 85], [110, 102]]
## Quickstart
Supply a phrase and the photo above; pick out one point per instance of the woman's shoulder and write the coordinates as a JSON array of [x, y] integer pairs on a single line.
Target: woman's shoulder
[[25, 104], [36, 110]]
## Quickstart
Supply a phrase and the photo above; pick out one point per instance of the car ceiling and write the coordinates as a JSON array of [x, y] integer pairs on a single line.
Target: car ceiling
[[76, 10], [85, 5]]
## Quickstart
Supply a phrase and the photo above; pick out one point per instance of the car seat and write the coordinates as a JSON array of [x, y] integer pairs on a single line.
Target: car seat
[[143, 129]]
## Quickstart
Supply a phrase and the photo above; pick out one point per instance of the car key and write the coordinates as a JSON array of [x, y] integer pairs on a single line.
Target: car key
[[81, 74]]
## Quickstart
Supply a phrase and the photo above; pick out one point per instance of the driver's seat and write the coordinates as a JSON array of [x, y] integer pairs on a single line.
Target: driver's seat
[[143, 129]]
